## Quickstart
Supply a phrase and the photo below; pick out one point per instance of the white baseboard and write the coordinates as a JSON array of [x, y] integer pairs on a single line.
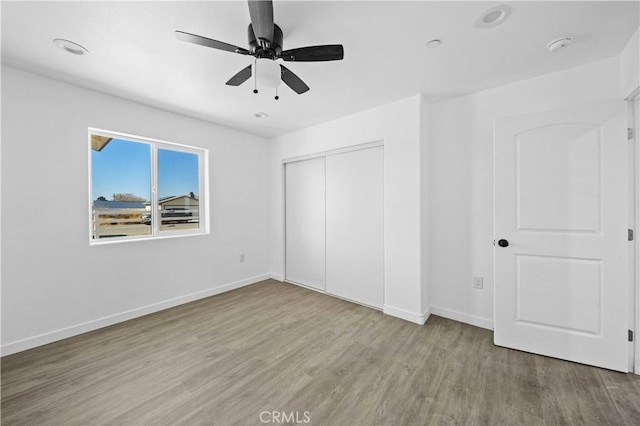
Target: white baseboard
[[276, 277], [462, 317], [407, 315], [426, 314], [74, 330]]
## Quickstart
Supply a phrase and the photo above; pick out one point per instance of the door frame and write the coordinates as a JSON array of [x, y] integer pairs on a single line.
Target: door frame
[[634, 177], [331, 152]]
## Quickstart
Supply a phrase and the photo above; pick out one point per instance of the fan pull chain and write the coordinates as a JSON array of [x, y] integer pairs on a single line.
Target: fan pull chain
[[277, 97], [255, 76]]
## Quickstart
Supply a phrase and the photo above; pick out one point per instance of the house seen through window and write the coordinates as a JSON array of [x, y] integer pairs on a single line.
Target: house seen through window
[[143, 188]]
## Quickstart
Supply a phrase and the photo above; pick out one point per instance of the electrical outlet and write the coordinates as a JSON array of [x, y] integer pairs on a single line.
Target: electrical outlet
[[242, 257], [478, 282]]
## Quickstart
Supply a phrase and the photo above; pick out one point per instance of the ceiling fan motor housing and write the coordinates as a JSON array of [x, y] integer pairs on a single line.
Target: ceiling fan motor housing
[[273, 50]]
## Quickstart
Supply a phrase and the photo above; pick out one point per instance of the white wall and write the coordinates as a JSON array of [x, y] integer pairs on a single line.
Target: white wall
[[438, 201], [461, 179], [398, 125], [53, 284], [630, 66]]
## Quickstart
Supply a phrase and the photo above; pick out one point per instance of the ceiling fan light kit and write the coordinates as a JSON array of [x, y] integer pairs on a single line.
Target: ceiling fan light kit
[[265, 41], [266, 73]]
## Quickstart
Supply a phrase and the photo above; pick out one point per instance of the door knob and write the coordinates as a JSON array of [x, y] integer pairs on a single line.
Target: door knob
[[503, 243]]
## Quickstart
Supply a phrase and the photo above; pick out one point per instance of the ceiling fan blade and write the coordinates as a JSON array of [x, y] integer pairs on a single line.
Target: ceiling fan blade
[[329, 52], [261, 12], [292, 80], [207, 42], [242, 76]]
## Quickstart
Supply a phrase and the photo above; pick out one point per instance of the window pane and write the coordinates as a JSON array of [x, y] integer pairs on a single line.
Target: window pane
[[121, 187], [178, 189]]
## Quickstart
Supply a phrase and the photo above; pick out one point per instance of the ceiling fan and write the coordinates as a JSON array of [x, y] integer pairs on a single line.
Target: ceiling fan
[[265, 44]]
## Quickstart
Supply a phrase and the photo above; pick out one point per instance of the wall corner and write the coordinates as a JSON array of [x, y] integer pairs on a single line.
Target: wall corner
[[425, 301]]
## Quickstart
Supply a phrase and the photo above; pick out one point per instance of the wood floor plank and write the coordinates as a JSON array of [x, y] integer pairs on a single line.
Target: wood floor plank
[[594, 399], [275, 347], [624, 390], [560, 402]]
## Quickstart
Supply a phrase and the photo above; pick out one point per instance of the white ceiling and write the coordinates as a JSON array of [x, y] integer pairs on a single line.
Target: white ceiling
[[134, 54]]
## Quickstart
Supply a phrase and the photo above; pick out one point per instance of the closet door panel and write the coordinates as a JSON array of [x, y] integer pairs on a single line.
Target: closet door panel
[[305, 222], [354, 226]]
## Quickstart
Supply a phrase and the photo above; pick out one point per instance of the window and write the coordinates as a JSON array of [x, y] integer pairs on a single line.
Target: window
[[142, 188]]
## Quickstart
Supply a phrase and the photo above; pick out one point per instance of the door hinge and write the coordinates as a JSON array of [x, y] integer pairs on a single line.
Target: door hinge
[[629, 133], [631, 335], [630, 235]]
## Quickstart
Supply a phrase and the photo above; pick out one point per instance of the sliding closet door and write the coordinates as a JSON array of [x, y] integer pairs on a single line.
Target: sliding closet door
[[354, 209], [305, 222]]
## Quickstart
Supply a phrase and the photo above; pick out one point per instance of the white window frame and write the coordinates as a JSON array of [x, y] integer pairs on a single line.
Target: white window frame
[[155, 144]]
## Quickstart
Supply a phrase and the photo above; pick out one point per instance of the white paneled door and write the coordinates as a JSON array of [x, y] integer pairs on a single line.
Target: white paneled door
[[355, 258], [561, 255], [305, 222]]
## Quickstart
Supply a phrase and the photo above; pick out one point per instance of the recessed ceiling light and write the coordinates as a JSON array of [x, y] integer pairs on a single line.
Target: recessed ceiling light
[[261, 115], [493, 17], [558, 44], [70, 46], [433, 43]]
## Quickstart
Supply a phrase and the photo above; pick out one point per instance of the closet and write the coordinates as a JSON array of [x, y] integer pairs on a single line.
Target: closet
[[334, 228], [305, 222]]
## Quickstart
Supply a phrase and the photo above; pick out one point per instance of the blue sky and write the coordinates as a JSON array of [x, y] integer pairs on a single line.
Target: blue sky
[[125, 167], [177, 173]]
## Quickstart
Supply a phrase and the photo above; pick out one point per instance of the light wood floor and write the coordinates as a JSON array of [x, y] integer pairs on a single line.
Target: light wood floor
[[274, 346]]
